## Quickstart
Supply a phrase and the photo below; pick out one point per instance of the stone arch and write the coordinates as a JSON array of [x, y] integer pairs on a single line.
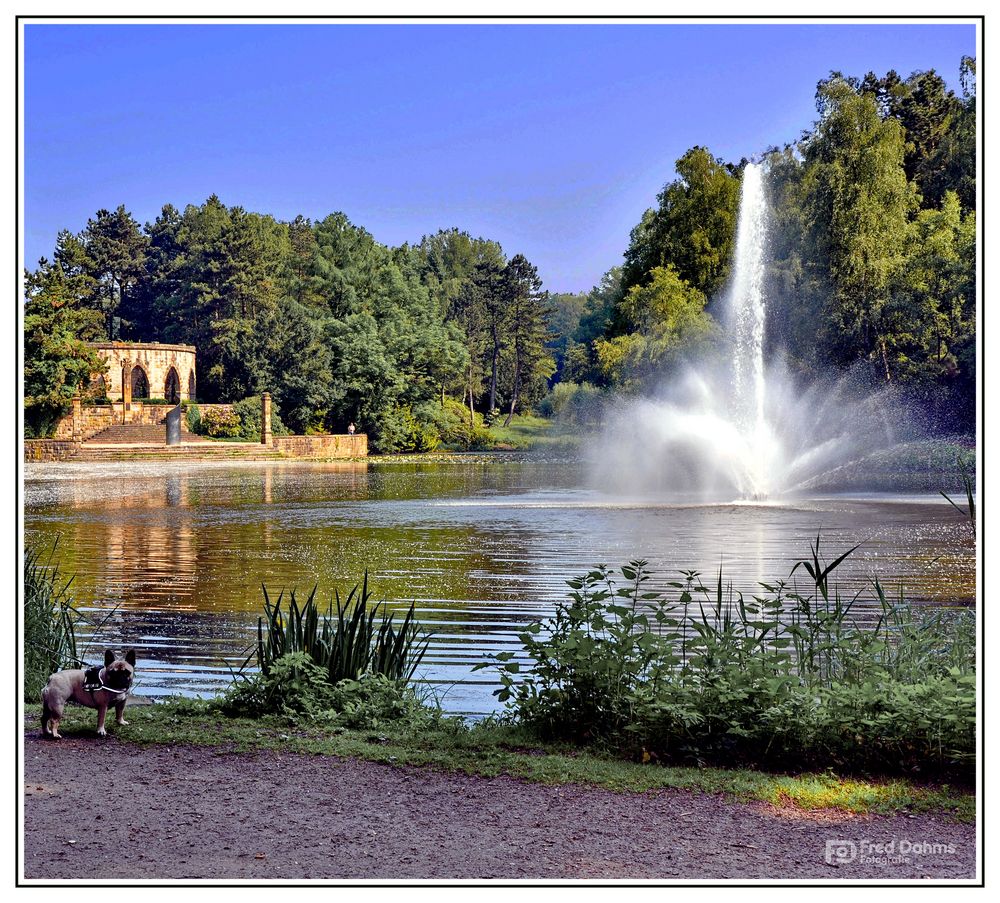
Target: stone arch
[[191, 394], [172, 386], [140, 383]]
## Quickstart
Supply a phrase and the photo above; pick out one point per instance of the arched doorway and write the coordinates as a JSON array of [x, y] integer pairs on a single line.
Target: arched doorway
[[140, 385], [172, 387]]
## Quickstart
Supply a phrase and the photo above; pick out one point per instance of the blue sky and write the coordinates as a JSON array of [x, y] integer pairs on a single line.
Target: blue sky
[[551, 139]]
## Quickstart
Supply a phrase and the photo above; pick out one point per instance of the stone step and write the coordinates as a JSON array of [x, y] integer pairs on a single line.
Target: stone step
[[172, 452], [145, 434]]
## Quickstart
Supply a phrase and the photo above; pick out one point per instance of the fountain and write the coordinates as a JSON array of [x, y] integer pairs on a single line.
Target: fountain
[[741, 428]]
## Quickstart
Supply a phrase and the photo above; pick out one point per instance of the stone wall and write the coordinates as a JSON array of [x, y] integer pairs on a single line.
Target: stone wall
[[96, 417], [48, 449], [93, 419], [131, 362], [322, 446]]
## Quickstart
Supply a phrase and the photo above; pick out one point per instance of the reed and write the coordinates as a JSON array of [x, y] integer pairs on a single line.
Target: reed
[[352, 637], [50, 621]]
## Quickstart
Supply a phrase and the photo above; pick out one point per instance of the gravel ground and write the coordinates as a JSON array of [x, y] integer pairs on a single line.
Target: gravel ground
[[100, 809]]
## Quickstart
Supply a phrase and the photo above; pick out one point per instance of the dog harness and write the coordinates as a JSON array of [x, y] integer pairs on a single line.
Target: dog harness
[[92, 682]]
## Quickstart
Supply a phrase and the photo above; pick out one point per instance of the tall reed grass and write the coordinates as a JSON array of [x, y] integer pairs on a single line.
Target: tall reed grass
[[50, 621], [352, 637]]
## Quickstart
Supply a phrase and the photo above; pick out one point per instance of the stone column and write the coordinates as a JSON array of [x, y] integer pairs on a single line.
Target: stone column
[[265, 418], [126, 393], [77, 419]]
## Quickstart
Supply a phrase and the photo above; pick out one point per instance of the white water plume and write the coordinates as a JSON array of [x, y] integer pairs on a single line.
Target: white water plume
[[742, 429]]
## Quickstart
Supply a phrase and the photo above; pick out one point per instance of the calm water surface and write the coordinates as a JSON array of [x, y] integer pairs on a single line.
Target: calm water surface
[[178, 552]]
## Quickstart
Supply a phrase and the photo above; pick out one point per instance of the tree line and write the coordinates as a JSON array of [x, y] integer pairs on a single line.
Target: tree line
[[338, 327], [872, 260], [872, 263]]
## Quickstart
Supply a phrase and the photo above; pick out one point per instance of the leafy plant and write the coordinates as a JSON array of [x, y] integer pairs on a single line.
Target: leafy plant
[[783, 678], [321, 663], [220, 423]]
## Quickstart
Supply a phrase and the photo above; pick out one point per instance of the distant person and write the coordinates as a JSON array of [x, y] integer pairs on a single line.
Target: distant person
[[350, 430]]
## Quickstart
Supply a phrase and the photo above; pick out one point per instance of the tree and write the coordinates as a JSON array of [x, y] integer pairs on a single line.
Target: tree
[[666, 319], [932, 310], [58, 362], [694, 227], [528, 312], [116, 260], [857, 205]]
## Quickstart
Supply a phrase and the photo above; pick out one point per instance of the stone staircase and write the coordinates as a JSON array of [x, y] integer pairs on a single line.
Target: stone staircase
[[134, 441], [140, 434]]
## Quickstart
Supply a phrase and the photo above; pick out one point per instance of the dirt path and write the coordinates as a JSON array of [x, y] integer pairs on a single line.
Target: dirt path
[[103, 809]]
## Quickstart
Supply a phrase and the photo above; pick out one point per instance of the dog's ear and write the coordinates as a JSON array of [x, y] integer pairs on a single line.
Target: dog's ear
[[109, 657], [130, 657]]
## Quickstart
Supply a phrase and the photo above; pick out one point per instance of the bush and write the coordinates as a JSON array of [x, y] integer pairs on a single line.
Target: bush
[[783, 680], [49, 624], [41, 420], [305, 654], [400, 429], [574, 404], [192, 417], [250, 423], [220, 423], [299, 689], [455, 430]]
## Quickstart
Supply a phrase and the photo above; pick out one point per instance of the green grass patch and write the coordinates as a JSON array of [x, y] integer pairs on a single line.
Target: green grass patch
[[489, 750], [526, 431]]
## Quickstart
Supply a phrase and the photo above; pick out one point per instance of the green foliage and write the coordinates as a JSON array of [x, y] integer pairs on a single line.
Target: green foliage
[[192, 418], [58, 363], [574, 404], [299, 689], [50, 622], [248, 411], [662, 320], [352, 637], [349, 666], [778, 679], [694, 227]]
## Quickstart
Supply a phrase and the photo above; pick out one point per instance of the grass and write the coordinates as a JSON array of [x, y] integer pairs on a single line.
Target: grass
[[526, 431], [490, 750]]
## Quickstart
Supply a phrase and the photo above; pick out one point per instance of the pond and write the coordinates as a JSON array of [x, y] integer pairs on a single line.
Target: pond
[[170, 558]]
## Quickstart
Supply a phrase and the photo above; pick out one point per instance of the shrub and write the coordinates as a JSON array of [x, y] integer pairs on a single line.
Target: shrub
[[399, 429], [192, 417], [455, 430], [779, 680], [350, 665], [297, 688], [220, 423], [574, 404], [249, 414]]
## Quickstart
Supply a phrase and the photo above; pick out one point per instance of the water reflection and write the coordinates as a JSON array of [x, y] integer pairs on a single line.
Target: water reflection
[[179, 552]]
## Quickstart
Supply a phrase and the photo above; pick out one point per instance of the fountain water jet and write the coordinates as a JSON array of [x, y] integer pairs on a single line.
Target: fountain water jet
[[742, 426]]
